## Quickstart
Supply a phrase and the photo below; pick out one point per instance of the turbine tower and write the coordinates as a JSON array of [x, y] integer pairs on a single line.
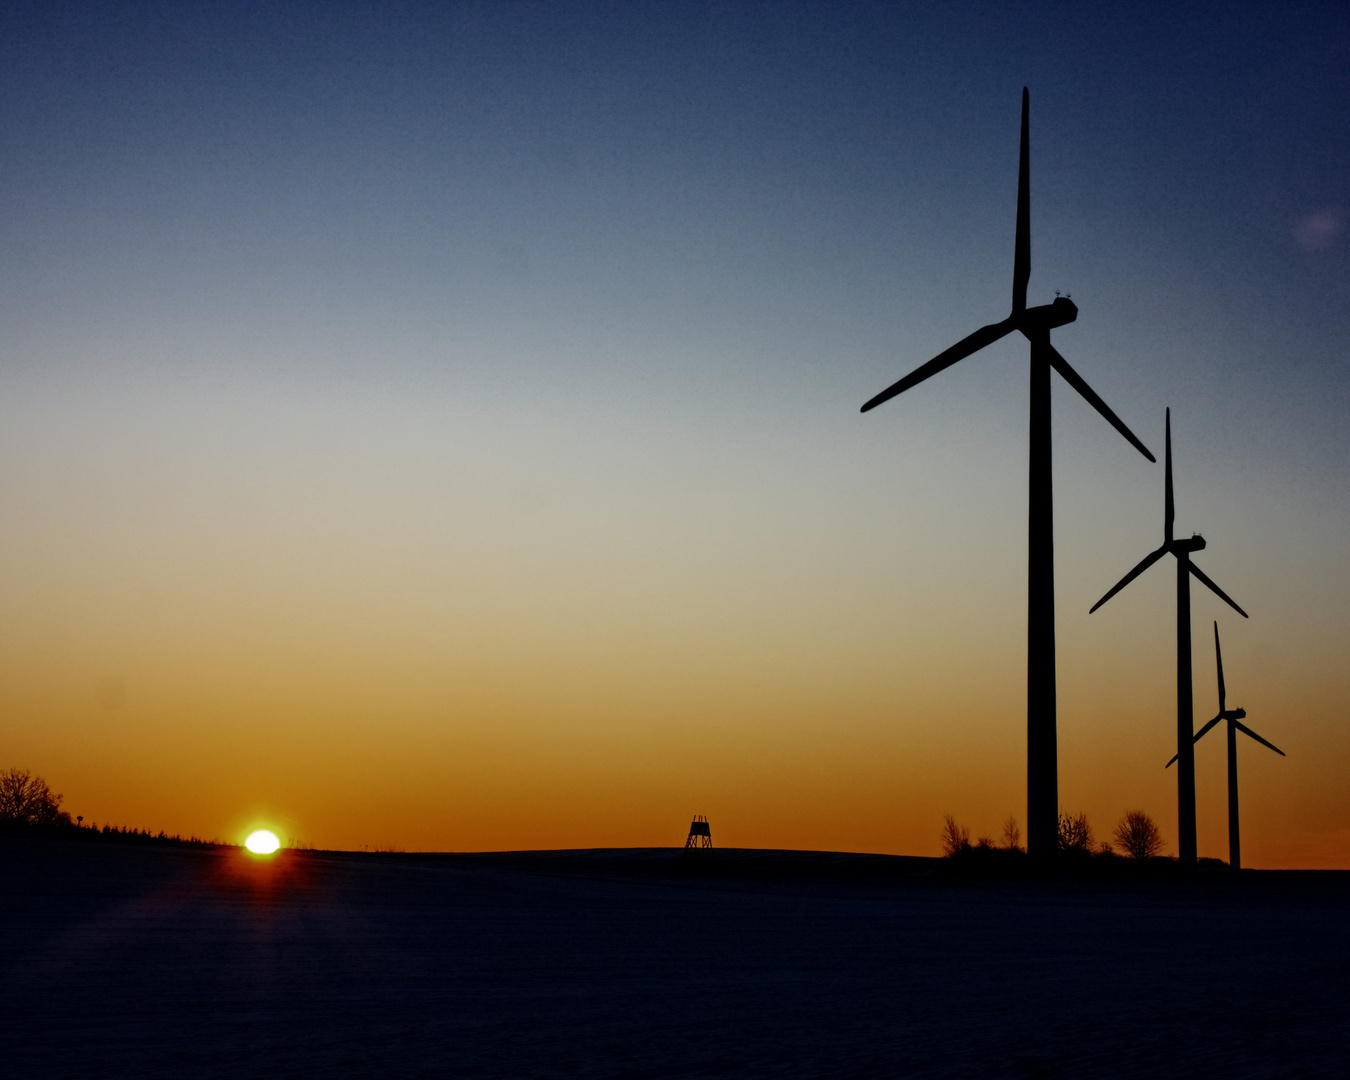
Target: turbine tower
[[1233, 717], [1186, 569], [1035, 325]]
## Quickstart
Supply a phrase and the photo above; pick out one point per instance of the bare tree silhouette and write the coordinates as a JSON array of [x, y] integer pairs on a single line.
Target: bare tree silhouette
[[1012, 835], [1075, 834], [1139, 835], [26, 799], [955, 838]]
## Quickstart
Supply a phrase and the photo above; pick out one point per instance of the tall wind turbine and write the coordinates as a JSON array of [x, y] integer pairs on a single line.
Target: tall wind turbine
[[1234, 718], [1186, 569], [1035, 325]]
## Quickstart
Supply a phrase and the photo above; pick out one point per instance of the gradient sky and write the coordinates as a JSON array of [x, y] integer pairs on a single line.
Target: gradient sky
[[436, 425]]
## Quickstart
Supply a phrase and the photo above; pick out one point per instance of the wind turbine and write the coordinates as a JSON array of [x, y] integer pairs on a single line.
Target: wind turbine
[[1035, 325], [1186, 569], [1234, 718]]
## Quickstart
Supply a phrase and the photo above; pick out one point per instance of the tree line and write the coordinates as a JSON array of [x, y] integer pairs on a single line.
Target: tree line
[[1136, 834], [28, 805]]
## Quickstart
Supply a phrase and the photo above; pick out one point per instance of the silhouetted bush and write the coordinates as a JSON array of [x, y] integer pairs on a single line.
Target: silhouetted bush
[[1138, 835], [955, 838], [26, 799], [1012, 835], [1075, 834]]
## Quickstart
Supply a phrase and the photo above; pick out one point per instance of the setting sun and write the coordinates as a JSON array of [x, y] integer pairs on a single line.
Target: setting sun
[[262, 842]]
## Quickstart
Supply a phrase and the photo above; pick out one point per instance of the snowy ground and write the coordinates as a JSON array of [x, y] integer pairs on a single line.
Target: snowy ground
[[173, 962]]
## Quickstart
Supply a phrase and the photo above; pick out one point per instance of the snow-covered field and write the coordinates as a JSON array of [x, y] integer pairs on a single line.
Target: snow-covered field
[[173, 962]]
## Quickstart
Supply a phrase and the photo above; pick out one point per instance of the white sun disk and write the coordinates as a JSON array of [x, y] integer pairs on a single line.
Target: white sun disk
[[262, 842]]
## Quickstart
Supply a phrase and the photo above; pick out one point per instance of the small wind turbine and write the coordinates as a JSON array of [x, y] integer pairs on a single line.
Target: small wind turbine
[[1035, 325], [1185, 708], [1234, 718]]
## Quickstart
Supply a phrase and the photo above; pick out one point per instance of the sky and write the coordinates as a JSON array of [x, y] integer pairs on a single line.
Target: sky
[[435, 426]]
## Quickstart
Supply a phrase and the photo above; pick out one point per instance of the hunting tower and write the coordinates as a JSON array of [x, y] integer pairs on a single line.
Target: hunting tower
[[700, 836]]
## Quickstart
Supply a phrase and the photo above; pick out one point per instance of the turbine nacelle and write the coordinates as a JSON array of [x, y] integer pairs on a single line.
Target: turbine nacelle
[[1046, 317], [1195, 543]]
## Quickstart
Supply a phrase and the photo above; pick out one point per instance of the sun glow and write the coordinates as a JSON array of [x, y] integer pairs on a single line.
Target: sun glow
[[262, 842]]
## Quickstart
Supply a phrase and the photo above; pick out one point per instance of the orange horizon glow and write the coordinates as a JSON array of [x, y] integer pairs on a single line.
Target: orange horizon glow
[[489, 676]]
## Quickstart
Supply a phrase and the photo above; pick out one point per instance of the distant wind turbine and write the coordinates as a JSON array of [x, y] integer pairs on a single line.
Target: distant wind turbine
[[1234, 718], [1185, 708], [1035, 325]]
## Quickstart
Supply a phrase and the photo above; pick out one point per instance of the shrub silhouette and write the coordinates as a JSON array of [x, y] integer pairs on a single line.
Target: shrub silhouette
[[1138, 835], [1075, 834], [955, 838], [26, 799], [1012, 835]]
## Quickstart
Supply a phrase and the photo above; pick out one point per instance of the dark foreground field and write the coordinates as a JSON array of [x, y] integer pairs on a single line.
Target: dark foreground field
[[174, 962]]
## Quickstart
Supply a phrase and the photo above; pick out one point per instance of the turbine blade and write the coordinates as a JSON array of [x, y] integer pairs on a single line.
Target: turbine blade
[[1217, 591], [985, 335], [1218, 655], [1197, 737], [1022, 248], [1144, 563], [1248, 731], [1076, 381], [1206, 728], [1169, 505]]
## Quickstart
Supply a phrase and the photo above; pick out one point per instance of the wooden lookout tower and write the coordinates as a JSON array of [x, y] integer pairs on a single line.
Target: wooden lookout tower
[[700, 836]]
